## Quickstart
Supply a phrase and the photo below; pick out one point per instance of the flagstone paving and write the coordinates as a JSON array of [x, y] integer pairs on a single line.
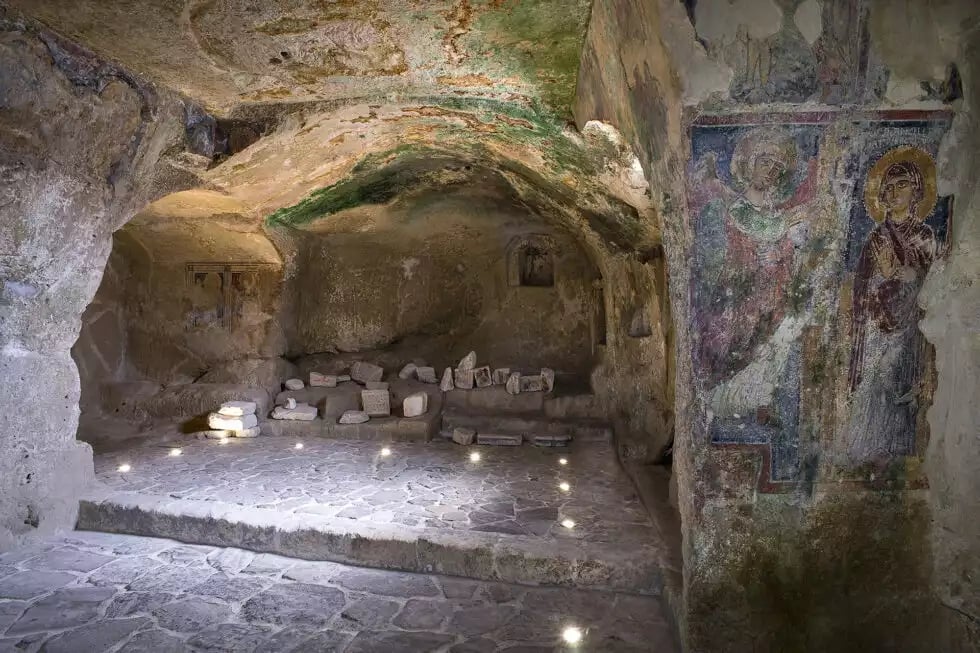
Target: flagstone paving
[[97, 592]]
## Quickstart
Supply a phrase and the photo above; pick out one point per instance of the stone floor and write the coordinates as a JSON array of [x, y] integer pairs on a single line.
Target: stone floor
[[510, 490], [94, 592]]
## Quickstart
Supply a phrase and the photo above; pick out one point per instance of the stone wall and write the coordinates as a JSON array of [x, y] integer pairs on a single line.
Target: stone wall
[[794, 146], [437, 275], [65, 190]]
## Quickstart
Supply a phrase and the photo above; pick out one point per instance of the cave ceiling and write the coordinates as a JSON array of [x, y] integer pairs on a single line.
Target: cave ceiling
[[225, 53]]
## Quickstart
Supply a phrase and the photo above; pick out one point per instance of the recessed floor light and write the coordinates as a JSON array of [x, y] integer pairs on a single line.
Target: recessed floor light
[[568, 523], [176, 451], [299, 445], [386, 451], [475, 457], [222, 440], [563, 461], [572, 635], [124, 468], [564, 487]]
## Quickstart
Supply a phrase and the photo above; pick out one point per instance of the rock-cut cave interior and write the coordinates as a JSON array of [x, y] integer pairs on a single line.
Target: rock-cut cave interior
[[489, 325]]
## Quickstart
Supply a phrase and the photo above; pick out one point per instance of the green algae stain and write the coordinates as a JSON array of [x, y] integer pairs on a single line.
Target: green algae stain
[[539, 41]]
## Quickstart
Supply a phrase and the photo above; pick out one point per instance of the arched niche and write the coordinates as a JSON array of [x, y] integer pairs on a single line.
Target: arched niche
[[531, 261]]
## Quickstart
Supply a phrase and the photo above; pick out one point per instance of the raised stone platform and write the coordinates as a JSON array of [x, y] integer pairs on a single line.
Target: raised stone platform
[[93, 592], [424, 507]]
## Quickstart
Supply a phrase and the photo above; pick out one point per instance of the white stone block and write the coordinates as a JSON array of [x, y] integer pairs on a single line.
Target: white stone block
[[514, 383], [237, 408], [364, 372], [499, 439], [463, 379], [552, 440], [318, 380], [294, 384], [302, 412], [482, 377], [500, 375], [249, 433], [548, 378], [415, 404], [220, 422], [463, 435], [426, 374], [447, 380], [532, 383], [468, 362], [354, 417], [376, 403], [408, 371]]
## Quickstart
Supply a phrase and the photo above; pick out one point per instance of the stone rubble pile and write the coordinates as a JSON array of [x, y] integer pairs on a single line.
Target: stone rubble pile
[[234, 419], [466, 376]]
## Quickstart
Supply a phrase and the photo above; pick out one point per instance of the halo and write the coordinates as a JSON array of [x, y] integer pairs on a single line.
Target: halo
[[872, 187]]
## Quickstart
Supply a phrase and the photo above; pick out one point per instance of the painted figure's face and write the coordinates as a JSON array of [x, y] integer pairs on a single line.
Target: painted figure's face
[[767, 169], [898, 192]]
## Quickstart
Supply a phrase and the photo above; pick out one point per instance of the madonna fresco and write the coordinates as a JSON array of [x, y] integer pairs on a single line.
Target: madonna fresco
[[887, 348]]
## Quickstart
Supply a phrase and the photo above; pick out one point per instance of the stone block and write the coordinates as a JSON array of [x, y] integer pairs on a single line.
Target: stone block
[[548, 378], [532, 383], [463, 435], [499, 439], [302, 412], [468, 362], [552, 440], [500, 375], [482, 377], [237, 408], [248, 433], [318, 380], [376, 403], [514, 383], [343, 378], [447, 380], [408, 371], [415, 404], [290, 403], [294, 384], [220, 422], [376, 385], [364, 372], [354, 417], [426, 374], [463, 379]]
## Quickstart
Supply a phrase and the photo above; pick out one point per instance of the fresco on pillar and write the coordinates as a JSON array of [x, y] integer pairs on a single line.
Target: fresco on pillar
[[794, 270]]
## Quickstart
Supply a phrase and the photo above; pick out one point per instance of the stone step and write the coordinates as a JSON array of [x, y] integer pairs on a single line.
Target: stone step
[[581, 430], [633, 568], [381, 429]]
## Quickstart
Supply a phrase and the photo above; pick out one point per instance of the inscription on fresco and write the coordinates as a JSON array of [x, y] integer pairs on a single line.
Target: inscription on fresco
[[812, 239]]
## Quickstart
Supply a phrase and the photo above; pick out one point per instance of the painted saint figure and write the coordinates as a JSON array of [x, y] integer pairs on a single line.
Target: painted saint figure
[[886, 354], [748, 242]]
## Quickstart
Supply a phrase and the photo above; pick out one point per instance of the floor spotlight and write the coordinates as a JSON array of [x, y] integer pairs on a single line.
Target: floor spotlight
[[568, 523], [564, 487], [222, 440], [563, 461], [475, 457], [299, 445], [176, 451], [386, 451], [124, 468], [572, 635]]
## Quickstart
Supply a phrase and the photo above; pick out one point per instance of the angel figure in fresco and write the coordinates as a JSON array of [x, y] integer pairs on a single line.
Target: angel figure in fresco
[[748, 242], [885, 368]]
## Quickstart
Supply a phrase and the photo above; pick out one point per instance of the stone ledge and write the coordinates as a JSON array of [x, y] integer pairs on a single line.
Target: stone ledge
[[482, 556]]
